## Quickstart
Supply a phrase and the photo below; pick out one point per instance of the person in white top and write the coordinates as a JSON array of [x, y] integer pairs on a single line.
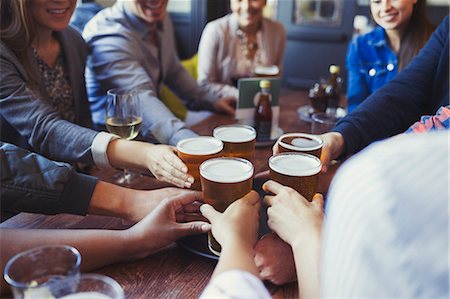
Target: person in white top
[[384, 235]]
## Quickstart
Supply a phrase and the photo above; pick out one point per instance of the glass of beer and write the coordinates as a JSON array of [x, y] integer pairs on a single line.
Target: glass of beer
[[194, 151], [300, 142], [238, 140], [262, 71], [224, 180], [296, 170]]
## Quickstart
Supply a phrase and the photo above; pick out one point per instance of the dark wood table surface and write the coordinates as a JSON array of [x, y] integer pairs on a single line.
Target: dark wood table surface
[[175, 272]]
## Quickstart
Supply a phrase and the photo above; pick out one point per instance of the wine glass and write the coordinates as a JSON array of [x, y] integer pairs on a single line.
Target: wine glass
[[123, 118]]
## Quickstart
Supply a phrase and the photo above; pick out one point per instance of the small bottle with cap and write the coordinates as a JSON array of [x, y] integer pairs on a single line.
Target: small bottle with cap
[[263, 112], [332, 89]]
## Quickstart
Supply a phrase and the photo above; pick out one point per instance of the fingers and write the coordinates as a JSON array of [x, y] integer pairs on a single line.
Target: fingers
[[262, 175], [272, 187], [192, 228], [275, 148], [251, 198], [180, 202], [189, 217], [209, 212], [317, 201]]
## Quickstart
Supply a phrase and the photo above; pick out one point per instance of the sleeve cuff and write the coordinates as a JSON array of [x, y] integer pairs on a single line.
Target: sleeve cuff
[[99, 147], [77, 194]]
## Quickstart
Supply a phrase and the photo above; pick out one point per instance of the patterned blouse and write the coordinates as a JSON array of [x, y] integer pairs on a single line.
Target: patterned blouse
[[57, 85]]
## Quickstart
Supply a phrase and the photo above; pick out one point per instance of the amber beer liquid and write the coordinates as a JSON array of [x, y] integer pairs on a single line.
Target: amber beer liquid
[[296, 170], [224, 180], [300, 142], [194, 151], [238, 140]]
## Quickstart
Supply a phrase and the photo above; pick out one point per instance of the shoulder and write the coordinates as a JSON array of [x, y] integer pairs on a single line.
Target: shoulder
[[221, 24], [109, 22], [371, 39], [273, 25]]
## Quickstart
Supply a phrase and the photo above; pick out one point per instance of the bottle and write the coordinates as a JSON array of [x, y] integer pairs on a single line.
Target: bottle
[[263, 112], [333, 89]]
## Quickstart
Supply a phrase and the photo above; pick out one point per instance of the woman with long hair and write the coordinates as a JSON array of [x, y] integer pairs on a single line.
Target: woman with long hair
[[43, 94], [376, 57]]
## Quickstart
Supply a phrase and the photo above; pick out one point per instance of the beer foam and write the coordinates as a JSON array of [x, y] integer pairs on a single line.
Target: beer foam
[[226, 170], [295, 164], [235, 133], [86, 295], [201, 145], [303, 142]]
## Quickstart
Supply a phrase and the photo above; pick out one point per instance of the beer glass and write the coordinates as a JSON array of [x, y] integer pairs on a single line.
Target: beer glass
[[36, 272], [123, 118], [300, 142], [224, 180], [296, 170], [262, 71], [238, 140], [194, 151]]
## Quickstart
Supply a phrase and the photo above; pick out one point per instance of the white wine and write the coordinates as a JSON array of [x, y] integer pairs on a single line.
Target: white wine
[[125, 127]]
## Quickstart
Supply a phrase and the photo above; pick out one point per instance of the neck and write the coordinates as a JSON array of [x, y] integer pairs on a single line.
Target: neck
[[251, 29], [43, 39], [395, 38]]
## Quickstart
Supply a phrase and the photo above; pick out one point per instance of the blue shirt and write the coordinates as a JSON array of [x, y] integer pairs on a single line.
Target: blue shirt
[[127, 52], [370, 64], [419, 89]]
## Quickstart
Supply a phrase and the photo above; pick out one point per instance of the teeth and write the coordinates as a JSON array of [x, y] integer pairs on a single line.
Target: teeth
[[57, 10]]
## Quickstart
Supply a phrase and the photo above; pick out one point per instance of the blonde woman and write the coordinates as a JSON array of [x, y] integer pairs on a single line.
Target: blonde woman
[[43, 95]]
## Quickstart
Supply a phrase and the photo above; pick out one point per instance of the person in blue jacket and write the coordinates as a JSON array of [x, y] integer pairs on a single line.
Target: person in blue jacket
[[376, 57]]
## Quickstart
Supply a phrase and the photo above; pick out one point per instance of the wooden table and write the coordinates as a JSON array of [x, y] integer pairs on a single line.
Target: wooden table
[[175, 272]]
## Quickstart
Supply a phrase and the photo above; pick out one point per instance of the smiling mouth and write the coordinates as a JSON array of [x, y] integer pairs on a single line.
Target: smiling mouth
[[57, 11]]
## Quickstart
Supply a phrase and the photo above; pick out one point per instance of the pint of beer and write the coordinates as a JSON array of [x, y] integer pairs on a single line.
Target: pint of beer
[[296, 170], [238, 140], [224, 180], [300, 142], [193, 151]]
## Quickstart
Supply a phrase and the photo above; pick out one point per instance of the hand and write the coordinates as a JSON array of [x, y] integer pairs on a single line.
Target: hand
[[275, 148], [239, 222], [226, 105], [140, 203], [275, 260], [291, 216], [166, 166], [333, 146], [164, 225]]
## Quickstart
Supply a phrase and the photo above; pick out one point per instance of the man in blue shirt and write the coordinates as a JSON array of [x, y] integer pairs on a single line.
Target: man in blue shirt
[[132, 46]]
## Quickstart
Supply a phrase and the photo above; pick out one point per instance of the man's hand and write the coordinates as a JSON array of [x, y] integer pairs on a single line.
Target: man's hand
[[226, 105], [275, 260]]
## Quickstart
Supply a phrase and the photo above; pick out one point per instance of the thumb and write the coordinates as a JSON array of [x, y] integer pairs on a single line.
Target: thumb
[[209, 212], [317, 201], [192, 228]]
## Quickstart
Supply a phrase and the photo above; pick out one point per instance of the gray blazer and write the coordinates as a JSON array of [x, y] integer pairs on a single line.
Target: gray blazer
[[217, 57], [29, 120]]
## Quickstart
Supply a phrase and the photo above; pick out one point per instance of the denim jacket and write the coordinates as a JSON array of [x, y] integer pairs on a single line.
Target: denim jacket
[[32, 183], [370, 64]]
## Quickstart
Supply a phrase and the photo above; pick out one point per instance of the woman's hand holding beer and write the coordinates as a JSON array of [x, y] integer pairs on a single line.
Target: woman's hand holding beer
[[290, 215], [166, 166], [333, 146], [160, 159], [168, 222], [236, 230], [299, 223]]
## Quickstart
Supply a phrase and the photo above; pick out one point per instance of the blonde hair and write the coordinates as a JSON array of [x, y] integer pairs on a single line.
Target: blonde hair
[[16, 29]]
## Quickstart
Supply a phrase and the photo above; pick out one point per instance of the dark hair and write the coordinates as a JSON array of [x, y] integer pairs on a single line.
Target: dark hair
[[416, 35], [16, 30]]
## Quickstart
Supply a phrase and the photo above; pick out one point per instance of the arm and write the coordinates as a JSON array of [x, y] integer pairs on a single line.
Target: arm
[[236, 236], [299, 223], [117, 61], [208, 65], [102, 247], [419, 89], [31, 117], [357, 89]]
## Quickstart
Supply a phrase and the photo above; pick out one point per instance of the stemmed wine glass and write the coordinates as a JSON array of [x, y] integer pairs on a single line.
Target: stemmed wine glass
[[123, 118]]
